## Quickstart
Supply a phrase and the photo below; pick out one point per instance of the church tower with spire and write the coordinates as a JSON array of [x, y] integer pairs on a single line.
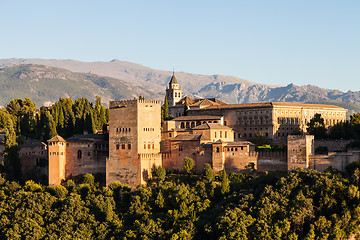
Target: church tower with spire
[[173, 92]]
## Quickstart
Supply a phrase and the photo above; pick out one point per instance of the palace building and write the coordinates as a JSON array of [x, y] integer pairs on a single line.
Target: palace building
[[206, 130]]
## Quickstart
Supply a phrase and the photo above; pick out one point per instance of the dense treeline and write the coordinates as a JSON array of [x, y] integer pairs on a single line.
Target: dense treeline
[[350, 129], [21, 120], [64, 117], [300, 205]]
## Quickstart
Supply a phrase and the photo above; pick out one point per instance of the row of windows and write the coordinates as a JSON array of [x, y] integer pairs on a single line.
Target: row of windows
[[123, 129], [220, 134], [149, 146], [102, 146], [288, 120], [149, 129], [56, 153], [193, 124], [228, 149], [249, 135], [252, 122], [123, 146], [79, 154], [32, 153]]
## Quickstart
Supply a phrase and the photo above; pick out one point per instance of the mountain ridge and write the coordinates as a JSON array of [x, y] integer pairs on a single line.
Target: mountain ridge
[[227, 88]]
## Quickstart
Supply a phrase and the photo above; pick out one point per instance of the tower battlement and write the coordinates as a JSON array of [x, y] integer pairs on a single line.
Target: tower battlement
[[123, 103]]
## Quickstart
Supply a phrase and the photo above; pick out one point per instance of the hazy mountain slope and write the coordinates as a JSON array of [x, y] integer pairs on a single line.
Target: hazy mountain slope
[[44, 84], [227, 88], [148, 78]]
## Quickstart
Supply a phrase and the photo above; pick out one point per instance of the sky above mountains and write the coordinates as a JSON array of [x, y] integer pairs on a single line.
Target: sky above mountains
[[270, 42]]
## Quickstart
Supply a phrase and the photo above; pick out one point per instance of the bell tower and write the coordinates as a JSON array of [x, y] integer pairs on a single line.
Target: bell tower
[[173, 92]]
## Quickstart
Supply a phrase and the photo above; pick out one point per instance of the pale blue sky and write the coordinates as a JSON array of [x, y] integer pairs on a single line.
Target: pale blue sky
[[270, 42]]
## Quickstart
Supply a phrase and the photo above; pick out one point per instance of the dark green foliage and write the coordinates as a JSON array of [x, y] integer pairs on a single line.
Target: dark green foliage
[[159, 173], [49, 127], [189, 165], [225, 184], [300, 205], [321, 150], [64, 117], [12, 163], [209, 173], [316, 127], [165, 110]]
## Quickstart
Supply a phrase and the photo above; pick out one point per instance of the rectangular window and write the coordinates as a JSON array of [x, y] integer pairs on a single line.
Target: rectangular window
[[122, 146], [129, 146], [117, 146], [225, 134], [220, 134], [153, 146], [144, 145]]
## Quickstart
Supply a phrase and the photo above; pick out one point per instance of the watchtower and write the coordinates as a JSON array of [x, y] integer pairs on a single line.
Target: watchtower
[[134, 140]]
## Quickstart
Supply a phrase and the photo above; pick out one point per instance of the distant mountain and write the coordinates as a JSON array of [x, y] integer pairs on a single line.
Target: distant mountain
[[155, 80], [227, 88], [44, 85]]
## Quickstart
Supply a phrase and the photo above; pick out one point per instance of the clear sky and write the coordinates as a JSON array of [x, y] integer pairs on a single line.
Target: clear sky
[[271, 42]]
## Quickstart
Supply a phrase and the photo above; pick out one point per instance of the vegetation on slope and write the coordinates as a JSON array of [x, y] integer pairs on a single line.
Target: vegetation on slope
[[301, 205]]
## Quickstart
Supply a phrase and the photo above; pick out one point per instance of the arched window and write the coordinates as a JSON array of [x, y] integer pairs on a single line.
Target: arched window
[[187, 125], [79, 154], [192, 124], [217, 149], [182, 125]]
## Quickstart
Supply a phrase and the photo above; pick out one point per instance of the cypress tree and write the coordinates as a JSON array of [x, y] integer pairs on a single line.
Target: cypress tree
[[50, 127], [12, 163], [225, 187], [165, 110]]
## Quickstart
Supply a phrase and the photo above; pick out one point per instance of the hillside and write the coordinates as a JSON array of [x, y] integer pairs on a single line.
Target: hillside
[[44, 84], [227, 88]]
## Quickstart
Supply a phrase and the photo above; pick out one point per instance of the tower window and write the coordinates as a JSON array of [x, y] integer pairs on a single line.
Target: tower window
[[79, 154]]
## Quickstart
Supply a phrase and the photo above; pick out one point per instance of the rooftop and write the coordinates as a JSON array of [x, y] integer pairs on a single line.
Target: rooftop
[[190, 137], [198, 117], [211, 126], [271, 104], [57, 138]]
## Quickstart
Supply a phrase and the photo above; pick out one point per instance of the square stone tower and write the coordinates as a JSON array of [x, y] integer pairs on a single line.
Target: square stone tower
[[299, 149], [134, 141], [57, 160]]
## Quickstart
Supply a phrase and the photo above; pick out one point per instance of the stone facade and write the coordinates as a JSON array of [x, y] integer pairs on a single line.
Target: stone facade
[[134, 141], [212, 132], [299, 150], [274, 120], [34, 159]]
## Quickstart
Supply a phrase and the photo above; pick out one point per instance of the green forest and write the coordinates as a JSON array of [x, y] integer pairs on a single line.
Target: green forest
[[299, 205], [21, 120], [302, 204]]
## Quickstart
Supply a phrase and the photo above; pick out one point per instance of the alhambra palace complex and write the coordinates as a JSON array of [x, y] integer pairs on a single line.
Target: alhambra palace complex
[[212, 132]]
